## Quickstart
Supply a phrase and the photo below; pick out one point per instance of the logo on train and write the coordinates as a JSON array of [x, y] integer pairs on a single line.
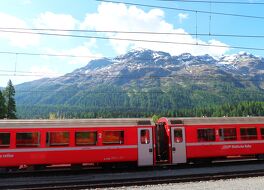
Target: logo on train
[[242, 146], [7, 156]]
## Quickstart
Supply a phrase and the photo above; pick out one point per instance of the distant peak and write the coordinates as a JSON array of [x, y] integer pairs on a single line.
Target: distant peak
[[242, 53], [186, 55], [138, 49]]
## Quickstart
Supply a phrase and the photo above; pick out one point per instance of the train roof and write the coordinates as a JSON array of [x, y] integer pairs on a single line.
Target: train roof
[[121, 122], [213, 120]]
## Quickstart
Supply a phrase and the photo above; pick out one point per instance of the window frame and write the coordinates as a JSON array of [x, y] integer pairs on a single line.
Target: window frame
[[121, 142], [248, 137], [176, 138], [6, 145], [48, 139], [146, 138], [222, 136], [28, 145], [86, 144], [202, 138], [262, 134]]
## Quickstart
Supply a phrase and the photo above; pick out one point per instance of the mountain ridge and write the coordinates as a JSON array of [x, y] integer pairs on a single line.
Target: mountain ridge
[[150, 78]]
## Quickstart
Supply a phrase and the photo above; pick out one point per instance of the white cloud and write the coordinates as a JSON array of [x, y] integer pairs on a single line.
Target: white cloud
[[16, 39], [42, 72], [32, 73], [83, 53], [182, 17], [119, 17], [49, 20]]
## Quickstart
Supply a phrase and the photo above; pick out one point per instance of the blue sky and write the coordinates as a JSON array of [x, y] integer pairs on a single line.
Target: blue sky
[[96, 16]]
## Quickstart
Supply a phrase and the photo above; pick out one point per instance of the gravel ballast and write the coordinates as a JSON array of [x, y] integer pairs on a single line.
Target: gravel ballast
[[256, 183]]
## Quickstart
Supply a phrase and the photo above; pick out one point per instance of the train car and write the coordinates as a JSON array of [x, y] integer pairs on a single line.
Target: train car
[[107, 142], [93, 141], [180, 140]]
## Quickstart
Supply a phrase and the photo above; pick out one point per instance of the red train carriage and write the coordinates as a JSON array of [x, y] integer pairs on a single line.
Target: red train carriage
[[96, 141], [195, 139], [113, 141]]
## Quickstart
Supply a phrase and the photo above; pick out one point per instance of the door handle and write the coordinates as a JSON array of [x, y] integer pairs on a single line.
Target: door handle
[[173, 149], [150, 150]]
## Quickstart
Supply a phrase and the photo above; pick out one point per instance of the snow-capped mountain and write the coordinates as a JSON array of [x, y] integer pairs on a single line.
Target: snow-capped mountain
[[147, 70]]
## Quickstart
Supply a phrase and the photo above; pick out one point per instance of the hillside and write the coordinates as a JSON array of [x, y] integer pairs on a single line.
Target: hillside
[[147, 80]]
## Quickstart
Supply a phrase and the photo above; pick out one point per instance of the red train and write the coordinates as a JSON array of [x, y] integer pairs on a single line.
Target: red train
[[133, 141]]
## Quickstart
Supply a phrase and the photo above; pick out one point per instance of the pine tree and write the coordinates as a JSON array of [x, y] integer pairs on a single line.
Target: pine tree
[[2, 106], [9, 94]]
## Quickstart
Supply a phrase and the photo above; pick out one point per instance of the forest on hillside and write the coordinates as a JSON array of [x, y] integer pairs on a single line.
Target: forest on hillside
[[251, 108]]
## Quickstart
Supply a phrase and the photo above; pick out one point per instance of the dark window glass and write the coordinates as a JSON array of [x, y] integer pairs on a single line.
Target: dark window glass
[[4, 139], [85, 138], [58, 138], [227, 134], [262, 132], [144, 122], [176, 121], [113, 137], [144, 136], [27, 139], [206, 135], [248, 133], [178, 135]]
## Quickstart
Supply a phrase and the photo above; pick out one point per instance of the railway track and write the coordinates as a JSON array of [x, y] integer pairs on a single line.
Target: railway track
[[86, 180]]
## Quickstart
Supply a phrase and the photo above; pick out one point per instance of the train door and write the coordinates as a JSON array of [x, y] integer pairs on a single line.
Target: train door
[[178, 143], [145, 147]]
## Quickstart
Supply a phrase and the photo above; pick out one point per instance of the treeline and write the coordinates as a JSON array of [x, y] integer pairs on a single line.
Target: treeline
[[250, 108], [113, 101], [242, 109], [7, 102]]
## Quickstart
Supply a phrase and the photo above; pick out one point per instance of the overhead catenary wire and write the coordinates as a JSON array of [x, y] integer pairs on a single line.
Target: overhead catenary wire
[[99, 37], [125, 92], [186, 10], [215, 2], [124, 39], [18, 30], [49, 54], [150, 77], [139, 32]]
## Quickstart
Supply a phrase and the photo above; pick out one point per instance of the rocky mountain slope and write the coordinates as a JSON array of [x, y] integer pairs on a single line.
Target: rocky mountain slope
[[152, 79]]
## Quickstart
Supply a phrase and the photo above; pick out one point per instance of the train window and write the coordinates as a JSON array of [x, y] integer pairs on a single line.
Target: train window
[[227, 134], [248, 133], [206, 135], [58, 138], [262, 132], [4, 140], [113, 137], [85, 138], [144, 136], [177, 135], [27, 139]]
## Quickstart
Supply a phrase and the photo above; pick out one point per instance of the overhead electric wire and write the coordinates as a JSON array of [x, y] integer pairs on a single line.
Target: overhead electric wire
[[48, 54], [122, 39], [104, 75], [96, 92], [128, 39], [16, 30], [216, 2], [126, 92], [186, 10]]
